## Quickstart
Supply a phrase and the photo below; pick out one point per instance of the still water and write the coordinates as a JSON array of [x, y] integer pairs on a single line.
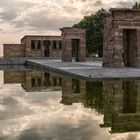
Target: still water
[[37, 105]]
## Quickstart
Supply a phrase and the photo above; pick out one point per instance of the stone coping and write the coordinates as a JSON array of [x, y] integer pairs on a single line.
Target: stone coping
[[124, 9]]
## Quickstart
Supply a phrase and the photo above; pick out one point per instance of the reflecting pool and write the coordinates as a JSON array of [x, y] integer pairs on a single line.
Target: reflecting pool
[[37, 105]]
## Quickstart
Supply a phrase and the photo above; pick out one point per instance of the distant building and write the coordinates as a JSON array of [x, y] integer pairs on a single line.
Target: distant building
[[71, 44], [35, 46]]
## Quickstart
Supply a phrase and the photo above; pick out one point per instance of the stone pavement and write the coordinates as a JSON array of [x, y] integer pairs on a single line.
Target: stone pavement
[[85, 70]]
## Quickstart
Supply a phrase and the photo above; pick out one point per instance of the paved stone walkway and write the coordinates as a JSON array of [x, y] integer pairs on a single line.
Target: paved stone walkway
[[86, 70]]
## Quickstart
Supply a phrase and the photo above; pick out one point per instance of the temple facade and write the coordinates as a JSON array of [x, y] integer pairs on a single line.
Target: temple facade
[[35, 47], [70, 45], [73, 44], [122, 38]]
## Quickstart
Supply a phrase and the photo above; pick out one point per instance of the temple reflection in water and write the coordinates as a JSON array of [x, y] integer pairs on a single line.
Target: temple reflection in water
[[118, 101], [122, 105], [34, 80], [73, 91]]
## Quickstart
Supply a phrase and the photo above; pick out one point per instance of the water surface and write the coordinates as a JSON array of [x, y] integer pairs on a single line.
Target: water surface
[[37, 105]]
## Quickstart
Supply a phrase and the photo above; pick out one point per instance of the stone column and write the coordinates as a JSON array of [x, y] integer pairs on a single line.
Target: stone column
[[42, 48], [57, 45], [82, 48], [67, 50], [138, 48], [28, 48], [51, 48], [60, 44], [118, 48], [108, 43], [36, 42]]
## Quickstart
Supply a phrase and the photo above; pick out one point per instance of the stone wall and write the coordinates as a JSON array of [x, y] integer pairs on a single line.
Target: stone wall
[[108, 43], [56, 53], [14, 50], [40, 52], [68, 34], [119, 48]]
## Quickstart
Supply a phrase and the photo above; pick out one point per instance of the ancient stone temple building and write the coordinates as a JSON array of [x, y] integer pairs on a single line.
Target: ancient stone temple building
[[35, 46], [73, 44], [122, 38]]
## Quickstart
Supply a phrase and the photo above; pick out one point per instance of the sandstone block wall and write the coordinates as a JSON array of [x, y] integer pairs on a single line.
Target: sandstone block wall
[[119, 46], [108, 43], [68, 34], [50, 46], [14, 51], [29, 52], [56, 53]]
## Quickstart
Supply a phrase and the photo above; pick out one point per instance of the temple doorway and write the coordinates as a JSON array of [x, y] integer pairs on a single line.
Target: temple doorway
[[46, 45], [129, 47], [75, 49]]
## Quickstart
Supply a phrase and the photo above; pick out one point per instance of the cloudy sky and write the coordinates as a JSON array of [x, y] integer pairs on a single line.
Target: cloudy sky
[[22, 17]]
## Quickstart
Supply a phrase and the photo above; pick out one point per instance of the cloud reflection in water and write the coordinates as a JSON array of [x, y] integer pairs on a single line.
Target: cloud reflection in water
[[40, 115]]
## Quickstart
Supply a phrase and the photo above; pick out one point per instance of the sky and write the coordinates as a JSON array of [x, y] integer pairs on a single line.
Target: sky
[[45, 17]]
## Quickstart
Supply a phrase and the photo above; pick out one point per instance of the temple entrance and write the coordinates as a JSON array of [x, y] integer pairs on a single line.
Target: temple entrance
[[73, 44], [130, 47], [46, 45], [75, 49]]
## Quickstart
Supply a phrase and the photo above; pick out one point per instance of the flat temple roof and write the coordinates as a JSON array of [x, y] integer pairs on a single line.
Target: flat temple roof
[[40, 36], [124, 9]]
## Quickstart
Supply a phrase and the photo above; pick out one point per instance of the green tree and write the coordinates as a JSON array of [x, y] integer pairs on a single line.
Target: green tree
[[94, 31], [136, 6]]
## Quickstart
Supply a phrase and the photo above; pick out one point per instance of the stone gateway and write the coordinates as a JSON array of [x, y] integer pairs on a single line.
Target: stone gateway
[[122, 38], [73, 44]]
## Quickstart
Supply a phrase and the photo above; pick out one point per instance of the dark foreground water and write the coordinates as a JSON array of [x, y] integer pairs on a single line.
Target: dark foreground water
[[36, 105]]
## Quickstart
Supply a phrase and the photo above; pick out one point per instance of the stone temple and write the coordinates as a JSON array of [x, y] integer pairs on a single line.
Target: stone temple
[[122, 38], [71, 44]]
